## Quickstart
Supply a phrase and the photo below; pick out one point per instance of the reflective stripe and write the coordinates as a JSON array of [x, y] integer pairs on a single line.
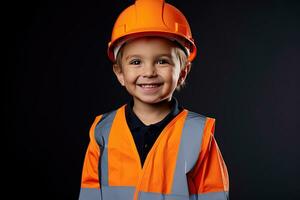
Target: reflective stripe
[[189, 149], [90, 194], [157, 196], [102, 131], [126, 193], [117, 192], [210, 196], [207, 196]]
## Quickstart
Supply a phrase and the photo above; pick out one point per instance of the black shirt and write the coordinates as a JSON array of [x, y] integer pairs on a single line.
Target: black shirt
[[145, 135]]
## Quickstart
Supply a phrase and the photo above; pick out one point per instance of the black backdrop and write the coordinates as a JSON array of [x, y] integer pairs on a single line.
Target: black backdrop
[[245, 76]]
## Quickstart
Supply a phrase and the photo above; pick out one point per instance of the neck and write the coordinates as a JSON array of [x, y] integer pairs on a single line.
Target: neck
[[152, 113]]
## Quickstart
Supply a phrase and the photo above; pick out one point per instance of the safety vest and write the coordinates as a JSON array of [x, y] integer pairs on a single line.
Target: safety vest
[[184, 163]]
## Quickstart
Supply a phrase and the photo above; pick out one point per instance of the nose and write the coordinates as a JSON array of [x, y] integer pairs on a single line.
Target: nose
[[149, 70]]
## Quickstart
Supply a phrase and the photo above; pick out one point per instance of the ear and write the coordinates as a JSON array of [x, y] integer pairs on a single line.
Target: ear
[[119, 73], [184, 72]]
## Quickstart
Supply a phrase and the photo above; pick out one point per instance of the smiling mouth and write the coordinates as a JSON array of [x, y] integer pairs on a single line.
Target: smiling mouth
[[152, 85]]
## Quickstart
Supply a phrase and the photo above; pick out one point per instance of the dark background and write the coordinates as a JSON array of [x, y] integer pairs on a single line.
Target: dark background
[[245, 75]]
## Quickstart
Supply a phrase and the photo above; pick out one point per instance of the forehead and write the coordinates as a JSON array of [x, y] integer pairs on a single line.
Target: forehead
[[147, 45]]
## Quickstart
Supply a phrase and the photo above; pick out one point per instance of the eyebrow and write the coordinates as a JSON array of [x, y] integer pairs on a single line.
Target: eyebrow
[[130, 56], [156, 56], [164, 55]]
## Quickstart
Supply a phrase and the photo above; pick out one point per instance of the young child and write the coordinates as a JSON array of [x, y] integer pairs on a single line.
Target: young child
[[152, 148]]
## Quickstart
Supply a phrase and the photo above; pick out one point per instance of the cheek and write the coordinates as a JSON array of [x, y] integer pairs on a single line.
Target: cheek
[[130, 76], [171, 76], [127, 73]]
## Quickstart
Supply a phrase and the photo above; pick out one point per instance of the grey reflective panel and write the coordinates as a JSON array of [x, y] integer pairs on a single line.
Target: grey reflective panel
[[117, 193], [89, 194], [102, 131], [158, 196], [210, 196], [189, 149], [207, 196]]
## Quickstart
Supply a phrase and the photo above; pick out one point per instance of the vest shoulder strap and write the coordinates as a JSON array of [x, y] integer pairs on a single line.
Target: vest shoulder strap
[[102, 129]]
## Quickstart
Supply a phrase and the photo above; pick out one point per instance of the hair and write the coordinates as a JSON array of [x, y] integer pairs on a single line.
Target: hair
[[182, 56]]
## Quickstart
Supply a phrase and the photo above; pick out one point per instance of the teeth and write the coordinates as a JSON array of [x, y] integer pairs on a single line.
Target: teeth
[[148, 86]]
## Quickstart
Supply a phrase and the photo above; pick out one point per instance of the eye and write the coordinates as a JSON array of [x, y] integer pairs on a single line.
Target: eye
[[135, 62], [162, 61]]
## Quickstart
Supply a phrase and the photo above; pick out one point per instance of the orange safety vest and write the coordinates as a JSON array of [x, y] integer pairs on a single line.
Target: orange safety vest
[[184, 163]]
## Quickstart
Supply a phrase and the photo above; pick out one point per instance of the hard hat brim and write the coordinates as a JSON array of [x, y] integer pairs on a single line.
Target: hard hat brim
[[188, 46]]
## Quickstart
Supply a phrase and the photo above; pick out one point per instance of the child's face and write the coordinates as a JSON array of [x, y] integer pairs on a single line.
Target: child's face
[[150, 69]]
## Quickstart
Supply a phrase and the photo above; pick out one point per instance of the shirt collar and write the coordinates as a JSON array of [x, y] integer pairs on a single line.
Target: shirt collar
[[134, 122]]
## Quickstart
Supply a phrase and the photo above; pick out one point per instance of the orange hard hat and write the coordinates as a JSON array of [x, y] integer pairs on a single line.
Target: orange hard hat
[[151, 18]]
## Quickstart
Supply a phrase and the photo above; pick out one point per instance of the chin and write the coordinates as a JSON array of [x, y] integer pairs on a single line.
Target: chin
[[152, 100], [149, 99]]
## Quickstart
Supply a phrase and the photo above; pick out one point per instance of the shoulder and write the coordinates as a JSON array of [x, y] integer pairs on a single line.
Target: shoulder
[[102, 125], [204, 122], [107, 117], [192, 114], [104, 118]]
